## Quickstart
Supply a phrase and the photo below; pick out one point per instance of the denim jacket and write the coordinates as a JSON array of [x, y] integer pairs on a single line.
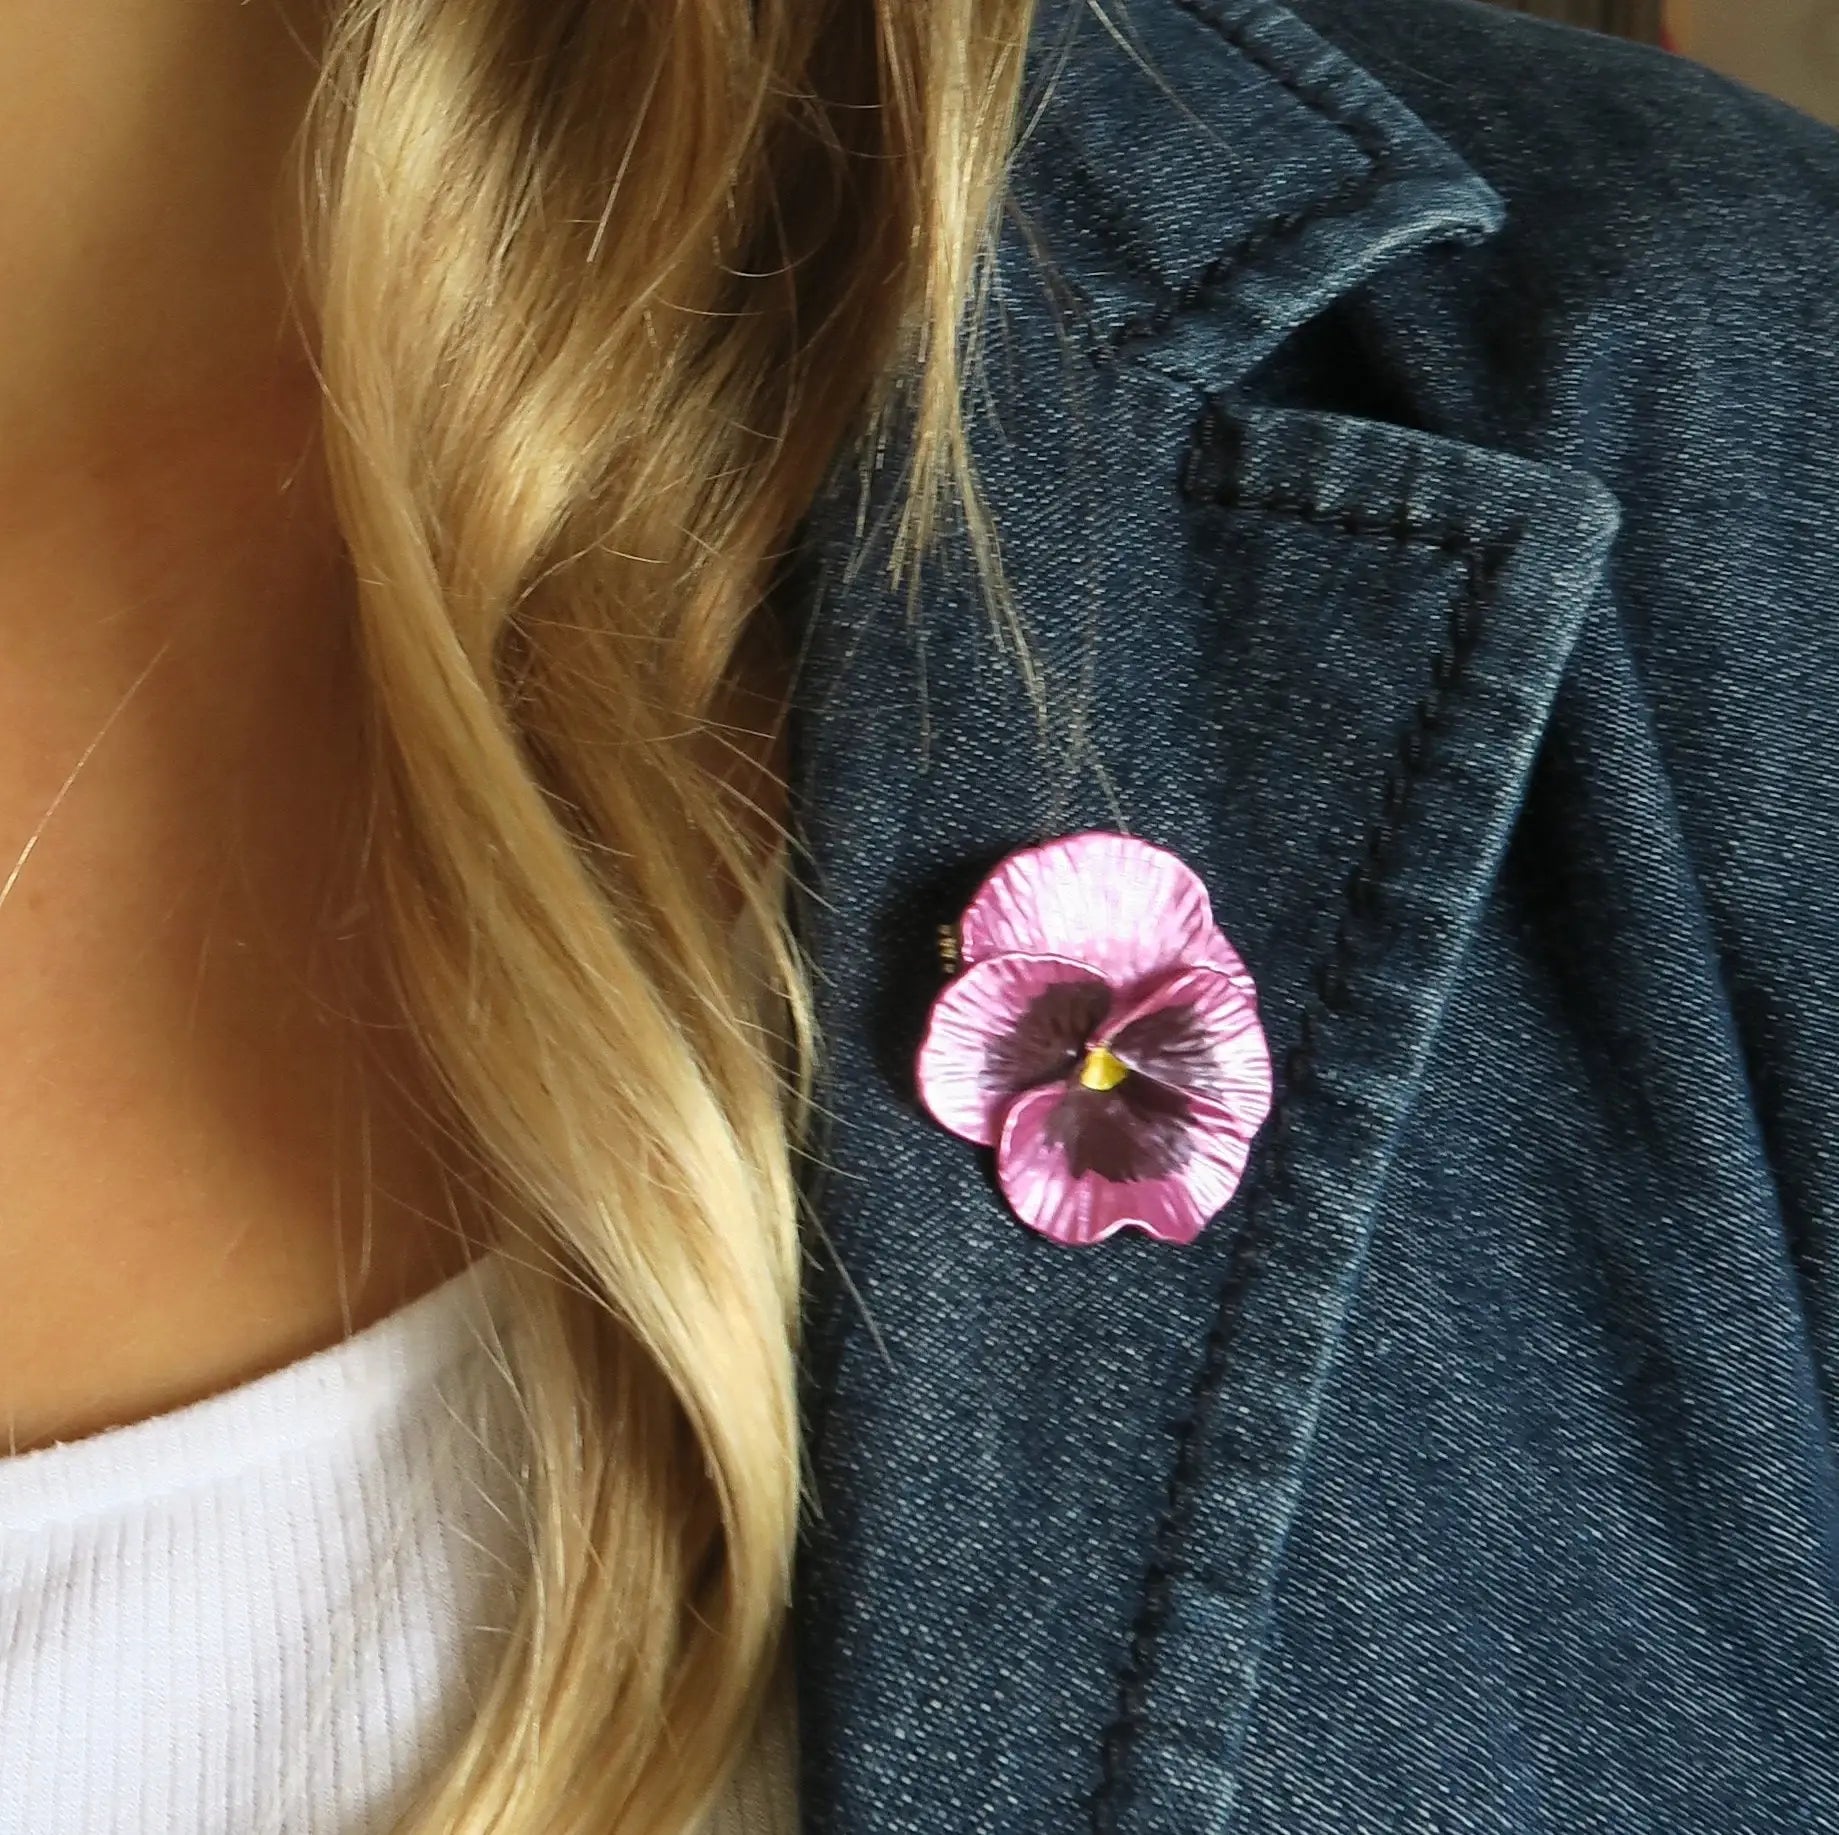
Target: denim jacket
[[1413, 435]]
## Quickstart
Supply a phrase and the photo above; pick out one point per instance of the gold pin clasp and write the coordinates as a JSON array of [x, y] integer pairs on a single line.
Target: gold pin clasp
[[950, 950]]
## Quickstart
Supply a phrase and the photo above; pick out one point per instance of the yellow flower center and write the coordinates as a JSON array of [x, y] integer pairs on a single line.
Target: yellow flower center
[[1101, 1071]]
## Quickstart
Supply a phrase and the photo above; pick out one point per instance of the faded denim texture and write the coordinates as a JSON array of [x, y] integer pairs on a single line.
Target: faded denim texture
[[1413, 444]]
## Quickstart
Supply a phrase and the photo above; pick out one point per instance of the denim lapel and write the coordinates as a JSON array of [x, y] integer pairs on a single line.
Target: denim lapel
[[1313, 654]]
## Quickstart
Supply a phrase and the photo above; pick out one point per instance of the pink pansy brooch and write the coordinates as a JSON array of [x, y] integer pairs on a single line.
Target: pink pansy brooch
[[1103, 1036]]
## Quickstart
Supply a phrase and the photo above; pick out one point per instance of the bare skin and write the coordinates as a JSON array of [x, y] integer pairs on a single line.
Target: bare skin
[[182, 1070]]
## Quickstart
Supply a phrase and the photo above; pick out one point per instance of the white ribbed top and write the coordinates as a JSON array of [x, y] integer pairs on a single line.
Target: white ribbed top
[[267, 1613]]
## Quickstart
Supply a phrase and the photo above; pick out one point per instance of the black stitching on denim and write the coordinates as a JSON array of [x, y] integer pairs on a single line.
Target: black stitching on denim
[[1331, 983], [1335, 981], [1450, 538], [1124, 224], [1350, 195]]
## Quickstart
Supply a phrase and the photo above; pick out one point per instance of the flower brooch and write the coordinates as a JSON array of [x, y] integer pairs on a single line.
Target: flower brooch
[[1103, 1036]]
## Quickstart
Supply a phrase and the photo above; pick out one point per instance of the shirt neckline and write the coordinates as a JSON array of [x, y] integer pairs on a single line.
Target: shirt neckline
[[271, 1416]]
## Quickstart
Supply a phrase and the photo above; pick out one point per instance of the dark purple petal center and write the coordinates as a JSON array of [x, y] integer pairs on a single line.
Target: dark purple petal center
[[1050, 1037], [1137, 1131], [1171, 1044], [1139, 1128]]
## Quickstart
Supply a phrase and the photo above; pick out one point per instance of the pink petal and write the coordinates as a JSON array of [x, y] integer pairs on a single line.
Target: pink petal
[[1211, 1043], [969, 1067], [1086, 1208], [1124, 907]]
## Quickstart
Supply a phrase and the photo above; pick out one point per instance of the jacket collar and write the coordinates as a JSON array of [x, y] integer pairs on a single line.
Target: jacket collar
[[1219, 154], [1313, 654]]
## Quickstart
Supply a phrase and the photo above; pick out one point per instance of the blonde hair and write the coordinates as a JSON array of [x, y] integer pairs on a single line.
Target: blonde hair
[[601, 288]]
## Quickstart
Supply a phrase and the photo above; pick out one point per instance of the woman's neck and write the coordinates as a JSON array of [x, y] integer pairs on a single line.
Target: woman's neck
[[183, 1157]]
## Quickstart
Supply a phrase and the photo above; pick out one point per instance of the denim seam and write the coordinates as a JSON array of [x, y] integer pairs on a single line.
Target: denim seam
[[1370, 143], [1333, 994]]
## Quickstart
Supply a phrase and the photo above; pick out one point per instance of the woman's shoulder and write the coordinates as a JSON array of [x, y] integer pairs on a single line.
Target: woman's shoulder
[[1463, 240], [1597, 169], [1623, 166], [1655, 310]]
